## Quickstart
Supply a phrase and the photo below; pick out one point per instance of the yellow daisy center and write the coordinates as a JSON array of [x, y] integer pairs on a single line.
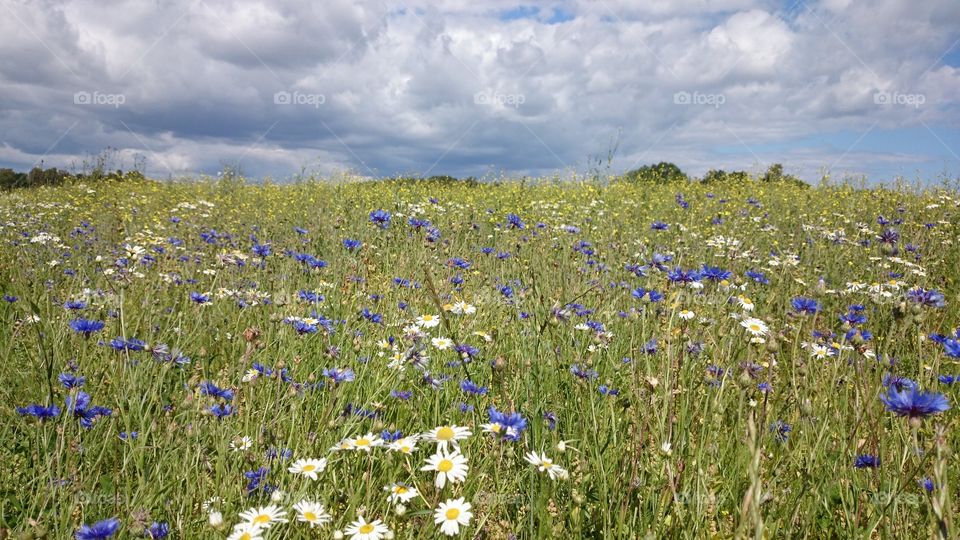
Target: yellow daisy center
[[755, 327], [262, 518], [445, 465], [309, 516], [246, 536], [366, 529], [445, 433], [363, 442], [400, 490], [452, 513], [309, 468]]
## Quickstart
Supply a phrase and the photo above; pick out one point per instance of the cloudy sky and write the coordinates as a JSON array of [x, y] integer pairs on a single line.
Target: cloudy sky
[[483, 87]]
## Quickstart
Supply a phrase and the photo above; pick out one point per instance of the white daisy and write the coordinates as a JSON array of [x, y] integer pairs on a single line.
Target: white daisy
[[428, 321], [312, 512], [362, 530], [451, 467], [545, 464], [450, 515], [241, 444], [462, 308], [264, 517], [400, 492], [366, 442], [686, 314], [442, 343], [308, 467], [404, 445], [246, 531], [754, 326], [444, 435]]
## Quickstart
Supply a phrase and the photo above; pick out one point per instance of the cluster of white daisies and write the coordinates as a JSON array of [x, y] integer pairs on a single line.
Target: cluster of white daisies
[[450, 466]]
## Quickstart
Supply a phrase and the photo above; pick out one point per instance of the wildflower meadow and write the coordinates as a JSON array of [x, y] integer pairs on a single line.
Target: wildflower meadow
[[401, 359]]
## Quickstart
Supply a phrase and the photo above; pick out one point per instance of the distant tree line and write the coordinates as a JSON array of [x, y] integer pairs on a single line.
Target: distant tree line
[[38, 176], [665, 172]]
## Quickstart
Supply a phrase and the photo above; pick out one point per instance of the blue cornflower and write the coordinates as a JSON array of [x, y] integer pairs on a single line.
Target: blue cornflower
[[867, 461], [389, 436], [79, 406], [303, 328], [255, 478], [8, 298], [69, 380], [913, 403], [714, 273], [86, 326], [351, 244], [805, 305], [402, 395], [898, 383], [659, 226], [200, 298], [948, 379], [607, 391], [551, 419], [75, 305], [507, 426], [207, 388], [39, 411], [417, 223], [261, 250], [380, 218], [927, 484], [765, 387], [951, 347], [679, 275], [100, 530], [582, 372], [221, 410], [157, 530], [466, 351], [759, 277], [927, 298], [470, 387], [781, 430], [514, 222], [338, 375]]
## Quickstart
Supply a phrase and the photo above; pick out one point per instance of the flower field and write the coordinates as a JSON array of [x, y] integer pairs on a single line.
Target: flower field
[[392, 359]]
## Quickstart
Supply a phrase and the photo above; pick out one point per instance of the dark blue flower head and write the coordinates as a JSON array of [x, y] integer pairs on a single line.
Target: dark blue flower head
[[781, 430], [867, 461], [913, 403], [470, 387], [86, 326], [508, 427], [351, 244], [157, 530], [514, 222], [221, 410], [380, 218], [805, 305], [100, 530], [70, 381], [39, 411], [207, 388], [338, 375]]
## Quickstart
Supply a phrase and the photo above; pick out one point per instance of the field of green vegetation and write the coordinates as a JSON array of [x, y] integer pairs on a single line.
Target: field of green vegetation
[[400, 359]]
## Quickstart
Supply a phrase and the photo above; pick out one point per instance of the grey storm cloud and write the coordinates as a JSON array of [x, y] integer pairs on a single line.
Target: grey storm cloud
[[474, 88]]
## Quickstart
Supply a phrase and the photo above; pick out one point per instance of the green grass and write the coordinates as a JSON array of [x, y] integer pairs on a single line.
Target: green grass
[[724, 474]]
